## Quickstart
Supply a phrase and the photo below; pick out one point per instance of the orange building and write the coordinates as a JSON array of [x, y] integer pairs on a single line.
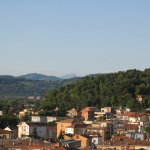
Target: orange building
[[61, 125], [88, 112]]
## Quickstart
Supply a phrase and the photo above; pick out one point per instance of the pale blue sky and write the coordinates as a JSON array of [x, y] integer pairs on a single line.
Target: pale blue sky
[[57, 37]]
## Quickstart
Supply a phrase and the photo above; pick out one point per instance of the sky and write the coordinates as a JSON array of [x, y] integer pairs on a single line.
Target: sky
[[58, 37]]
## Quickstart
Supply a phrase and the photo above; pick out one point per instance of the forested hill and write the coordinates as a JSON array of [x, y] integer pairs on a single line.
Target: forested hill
[[114, 89], [11, 86]]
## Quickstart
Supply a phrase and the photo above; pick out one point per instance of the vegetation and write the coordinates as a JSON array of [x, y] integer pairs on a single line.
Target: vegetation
[[21, 87], [114, 89]]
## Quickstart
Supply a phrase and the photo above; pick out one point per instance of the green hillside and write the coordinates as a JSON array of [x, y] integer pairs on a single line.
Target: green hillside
[[114, 89]]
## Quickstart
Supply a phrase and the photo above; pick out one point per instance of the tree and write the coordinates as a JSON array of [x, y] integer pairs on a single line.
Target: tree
[[47, 135], [34, 133], [60, 136], [147, 129]]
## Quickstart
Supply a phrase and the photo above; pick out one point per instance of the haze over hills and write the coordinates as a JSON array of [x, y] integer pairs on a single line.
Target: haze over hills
[[69, 76], [36, 76]]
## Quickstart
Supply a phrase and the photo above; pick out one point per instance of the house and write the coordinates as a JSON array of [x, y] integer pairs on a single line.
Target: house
[[26, 128], [125, 116], [52, 131], [1, 113], [51, 118], [76, 129], [4, 134], [71, 143], [88, 112], [13, 129], [25, 112], [130, 128], [104, 131], [61, 125], [139, 117], [136, 135], [140, 97], [86, 140], [74, 113], [38, 119]]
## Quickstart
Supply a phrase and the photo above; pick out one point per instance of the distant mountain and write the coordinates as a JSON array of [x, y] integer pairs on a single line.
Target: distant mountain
[[6, 76], [69, 76], [36, 76]]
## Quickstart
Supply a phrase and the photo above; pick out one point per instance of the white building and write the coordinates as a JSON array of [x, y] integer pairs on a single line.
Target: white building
[[26, 128], [1, 113]]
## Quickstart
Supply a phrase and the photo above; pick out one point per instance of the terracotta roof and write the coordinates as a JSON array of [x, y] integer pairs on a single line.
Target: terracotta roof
[[137, 115], [128, 113], [71, 121], [78, 126], [51, 127], [65, 148], [36, 124], [118, 138], [5, 131], [87, 108], [130, 126]]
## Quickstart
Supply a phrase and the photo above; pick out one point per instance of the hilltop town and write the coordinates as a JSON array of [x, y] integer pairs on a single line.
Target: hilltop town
[[115, 128]]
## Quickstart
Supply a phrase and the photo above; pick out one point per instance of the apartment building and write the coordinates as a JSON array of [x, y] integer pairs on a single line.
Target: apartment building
[[26, 128]]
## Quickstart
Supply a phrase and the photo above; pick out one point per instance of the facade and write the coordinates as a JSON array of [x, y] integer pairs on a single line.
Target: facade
[[138, 117], [140, 97], [104, 131], [1, 113], [51, 118], [4, 134], [88, 112], [26, 128], [137, 135], [61, 125], [74, 113], [38, 119], [52, 131], [86, 140], [13, 129], [76, 129]]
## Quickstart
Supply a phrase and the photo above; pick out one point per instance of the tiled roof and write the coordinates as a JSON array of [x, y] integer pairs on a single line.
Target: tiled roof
[[78, 126], [51, 127], [137, 115], [71, 121], [36, 124], [128, 113], [87, 108], [5, 131], [130, 126], [118, 138]]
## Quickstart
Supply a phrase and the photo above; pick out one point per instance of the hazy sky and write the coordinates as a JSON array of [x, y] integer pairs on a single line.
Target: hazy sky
[[57, 37]]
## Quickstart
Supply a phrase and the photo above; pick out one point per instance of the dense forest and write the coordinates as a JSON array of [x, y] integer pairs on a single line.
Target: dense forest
[[114, 89], [11, 86]]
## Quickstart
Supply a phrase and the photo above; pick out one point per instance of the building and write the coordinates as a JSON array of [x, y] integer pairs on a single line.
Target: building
[[88, 112], [86, 140], [140, 97], [26, 128], [51, 118], [62, 125], [38, 119], [74, 113], [1, 113], [103, 130], [139, 117], [52, 131], [13, 129], [76, 129], [4, 134]]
